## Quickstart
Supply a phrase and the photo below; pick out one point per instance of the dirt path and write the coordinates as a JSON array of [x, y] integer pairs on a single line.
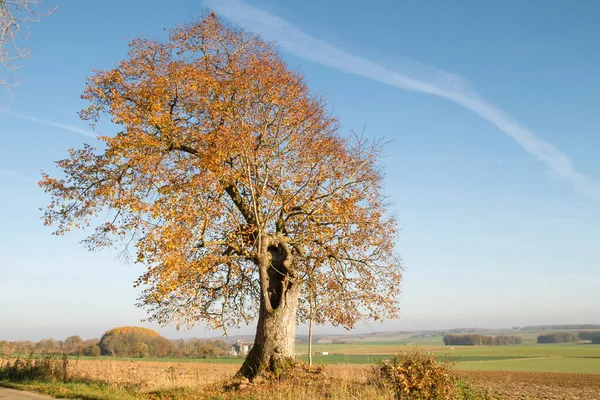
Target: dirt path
[[12, 394]]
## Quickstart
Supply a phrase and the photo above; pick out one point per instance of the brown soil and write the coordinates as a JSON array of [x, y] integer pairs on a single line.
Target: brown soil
[[537, 385]]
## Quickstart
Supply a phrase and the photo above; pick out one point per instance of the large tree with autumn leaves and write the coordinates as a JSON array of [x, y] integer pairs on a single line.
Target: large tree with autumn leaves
[[240, 194]]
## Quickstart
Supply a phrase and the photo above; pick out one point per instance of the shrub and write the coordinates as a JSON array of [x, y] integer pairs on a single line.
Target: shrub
[[36, 368], [416, 375]]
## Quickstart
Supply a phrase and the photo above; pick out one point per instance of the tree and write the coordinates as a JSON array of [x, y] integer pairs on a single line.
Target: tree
[[231, 179], [91, 350], [141, 350], [15, 17], [130, 341], [588, 335], [73, 344], [6, 348], [558, 337], [23, 347], [48, 346], [506, 340]]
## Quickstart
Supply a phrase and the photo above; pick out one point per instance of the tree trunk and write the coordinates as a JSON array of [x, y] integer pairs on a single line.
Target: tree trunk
[[275, 339]]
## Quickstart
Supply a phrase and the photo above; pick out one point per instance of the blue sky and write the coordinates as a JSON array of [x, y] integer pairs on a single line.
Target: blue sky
[[491, 109]]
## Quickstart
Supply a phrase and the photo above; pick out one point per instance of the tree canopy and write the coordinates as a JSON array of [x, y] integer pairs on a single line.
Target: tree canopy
[[133, 341], [234, 184]]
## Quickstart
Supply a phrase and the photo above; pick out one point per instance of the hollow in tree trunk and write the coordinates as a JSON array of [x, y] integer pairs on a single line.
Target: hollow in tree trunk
[[275, 339]]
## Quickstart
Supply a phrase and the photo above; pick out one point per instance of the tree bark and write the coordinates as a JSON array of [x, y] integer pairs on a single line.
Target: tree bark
[[275, 339]]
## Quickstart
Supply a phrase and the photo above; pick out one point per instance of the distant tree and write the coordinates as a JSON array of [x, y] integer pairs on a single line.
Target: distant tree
[[588, 335], [230, 176], [160, 347], [88, 342], [132, 341], [127, 341], [92, 350], [6, 348], [73, 344], [49, 346], [558, 337], [480, 340], [15, 18], [179, 347], [467, 340], [561, 327], [504, 340], [596, 340], [140, 349], [23, 347]]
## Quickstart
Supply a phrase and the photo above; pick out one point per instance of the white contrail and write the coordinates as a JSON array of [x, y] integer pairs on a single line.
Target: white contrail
[[410, 76], [49, 123]]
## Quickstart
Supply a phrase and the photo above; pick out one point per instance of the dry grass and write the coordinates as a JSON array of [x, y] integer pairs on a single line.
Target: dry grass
[[182, 381], [150, 375]]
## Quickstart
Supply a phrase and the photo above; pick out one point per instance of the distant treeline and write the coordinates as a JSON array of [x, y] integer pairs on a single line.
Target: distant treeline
[[558, 337], [133, 341], [481, 340], [122, 342], [561, 327], [71, 345], [589, 335]]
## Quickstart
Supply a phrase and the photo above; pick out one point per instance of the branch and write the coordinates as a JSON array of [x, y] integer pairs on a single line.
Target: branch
[[241, 205]]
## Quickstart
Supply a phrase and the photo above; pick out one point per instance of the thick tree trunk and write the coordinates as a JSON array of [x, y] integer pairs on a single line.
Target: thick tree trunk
[[275, 339]]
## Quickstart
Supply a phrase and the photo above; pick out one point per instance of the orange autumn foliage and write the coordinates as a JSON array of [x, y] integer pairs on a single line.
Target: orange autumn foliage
[[225, 166], [131, 330]]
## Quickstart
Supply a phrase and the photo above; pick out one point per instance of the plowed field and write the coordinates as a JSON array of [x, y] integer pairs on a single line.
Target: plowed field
[[538, 385]]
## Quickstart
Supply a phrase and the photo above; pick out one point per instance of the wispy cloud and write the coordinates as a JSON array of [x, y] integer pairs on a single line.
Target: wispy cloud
[[13, 175], [65, 127], [409, 76]]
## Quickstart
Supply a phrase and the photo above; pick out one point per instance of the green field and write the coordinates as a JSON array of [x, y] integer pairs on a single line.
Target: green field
[[336, 359], [547, 364], [575, 358]]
